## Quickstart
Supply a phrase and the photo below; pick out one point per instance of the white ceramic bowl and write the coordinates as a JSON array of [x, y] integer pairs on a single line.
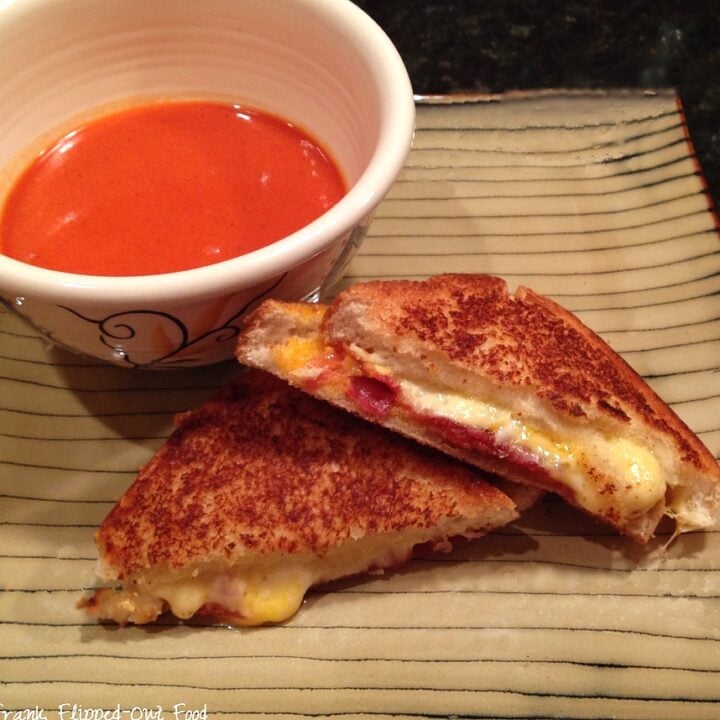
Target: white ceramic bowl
[[322, 64]]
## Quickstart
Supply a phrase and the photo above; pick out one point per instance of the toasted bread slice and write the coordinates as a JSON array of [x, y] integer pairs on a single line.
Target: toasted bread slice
[[515, 384], [264, 492]]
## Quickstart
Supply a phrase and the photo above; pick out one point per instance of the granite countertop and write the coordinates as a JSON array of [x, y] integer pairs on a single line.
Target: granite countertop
[[459, 46]]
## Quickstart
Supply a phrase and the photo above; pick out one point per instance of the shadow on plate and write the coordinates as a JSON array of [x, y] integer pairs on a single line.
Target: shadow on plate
[[137, 403]]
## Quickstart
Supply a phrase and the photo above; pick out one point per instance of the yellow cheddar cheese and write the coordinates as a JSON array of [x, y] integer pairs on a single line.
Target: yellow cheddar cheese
[[297, 352]]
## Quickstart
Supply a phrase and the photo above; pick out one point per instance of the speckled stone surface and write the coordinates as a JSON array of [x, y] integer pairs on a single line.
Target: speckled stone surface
[[497, 45]]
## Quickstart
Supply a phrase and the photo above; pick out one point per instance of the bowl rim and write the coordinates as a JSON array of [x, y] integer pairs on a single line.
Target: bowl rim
[[397, 111]]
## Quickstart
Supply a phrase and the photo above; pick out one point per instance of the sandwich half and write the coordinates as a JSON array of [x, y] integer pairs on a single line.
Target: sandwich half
[[264, 492], [512, 383]]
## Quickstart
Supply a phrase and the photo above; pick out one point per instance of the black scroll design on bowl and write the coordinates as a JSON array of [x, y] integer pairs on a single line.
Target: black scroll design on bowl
[[116, 330]]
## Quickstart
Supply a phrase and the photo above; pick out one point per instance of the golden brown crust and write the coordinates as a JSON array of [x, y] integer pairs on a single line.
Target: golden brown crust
[[264, 469], [523, 340]]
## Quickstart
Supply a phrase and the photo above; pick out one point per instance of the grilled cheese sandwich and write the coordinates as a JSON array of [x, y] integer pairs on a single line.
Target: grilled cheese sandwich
[[514, 384], [263, 493]]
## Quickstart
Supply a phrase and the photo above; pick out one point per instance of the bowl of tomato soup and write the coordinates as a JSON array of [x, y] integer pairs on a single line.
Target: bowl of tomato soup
[[166, 165]]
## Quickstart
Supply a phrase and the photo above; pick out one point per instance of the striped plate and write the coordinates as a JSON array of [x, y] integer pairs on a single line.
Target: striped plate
[[594, 199]]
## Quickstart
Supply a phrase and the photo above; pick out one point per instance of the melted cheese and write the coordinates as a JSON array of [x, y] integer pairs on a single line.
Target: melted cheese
[[243, 597], [569, 460], [250, 598], [297, 352], [638, 483], [267, 589]]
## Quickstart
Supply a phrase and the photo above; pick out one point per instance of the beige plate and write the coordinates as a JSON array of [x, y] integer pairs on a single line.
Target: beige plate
[[595, 199]]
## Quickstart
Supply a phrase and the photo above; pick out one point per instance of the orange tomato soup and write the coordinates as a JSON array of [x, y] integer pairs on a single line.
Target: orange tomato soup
[[167, 187]]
